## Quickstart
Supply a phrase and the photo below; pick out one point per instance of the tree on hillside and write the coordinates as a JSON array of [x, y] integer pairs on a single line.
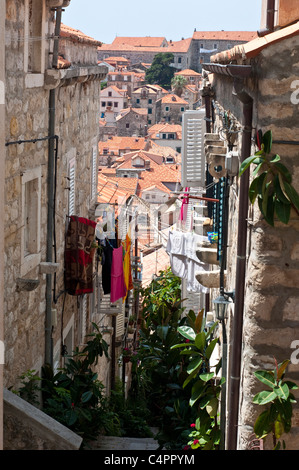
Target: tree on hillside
[[160, 72], [177, 84]]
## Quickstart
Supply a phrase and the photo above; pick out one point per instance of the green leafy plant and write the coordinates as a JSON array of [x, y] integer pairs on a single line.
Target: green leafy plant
[[30, 387], [276, 419], [272, 183], [202, 380]]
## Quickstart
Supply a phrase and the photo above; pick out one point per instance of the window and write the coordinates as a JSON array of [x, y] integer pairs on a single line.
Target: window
[[34, 32], [109, 103], [182, 109], [166, 108], [150, 110], [150, 101], [138, 101], [71, 176], [127, 125], [215, 46], [31, 216], [103, 104], [149, 121], [94, 172], [179, 60], [109, 93], [115, 104], [170, 136]]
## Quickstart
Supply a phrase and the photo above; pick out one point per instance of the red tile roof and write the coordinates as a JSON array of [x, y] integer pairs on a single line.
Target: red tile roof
[[188, 72], [225, 35], [146, 41], [253, 48], [173, 99], [158, 174], [169, 128], [117, 144], [78, 36]]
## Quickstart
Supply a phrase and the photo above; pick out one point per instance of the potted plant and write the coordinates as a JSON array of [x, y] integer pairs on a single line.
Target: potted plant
[[126, 355]]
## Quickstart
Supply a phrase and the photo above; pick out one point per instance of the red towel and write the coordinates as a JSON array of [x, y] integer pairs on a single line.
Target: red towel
[[78, 262], [118, 286]]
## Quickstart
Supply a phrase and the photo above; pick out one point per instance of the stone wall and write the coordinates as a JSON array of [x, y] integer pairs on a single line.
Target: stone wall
[[271, 321], [77, 128], [27, 428]]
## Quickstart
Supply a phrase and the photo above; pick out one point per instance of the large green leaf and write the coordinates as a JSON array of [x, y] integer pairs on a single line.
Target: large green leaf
[[211, 347], [266, 378], [279, 189], [264, 397], [187, 332], [246, 163], [292, 194], [195, 364], [200, 341], [267, 141], [284, 171], [253, 190], [207, 377], [263, 425], [283, 211], [282, 391]]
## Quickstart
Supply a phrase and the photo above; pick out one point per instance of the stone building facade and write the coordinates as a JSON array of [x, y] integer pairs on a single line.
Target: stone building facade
[[132, 122], [262, 261], [50, 173], [188, 53], [146, 97], [170, 108]]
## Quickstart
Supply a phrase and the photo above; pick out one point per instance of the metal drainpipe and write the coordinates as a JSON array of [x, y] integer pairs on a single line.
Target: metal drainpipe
[[50, 181], [236, 350]]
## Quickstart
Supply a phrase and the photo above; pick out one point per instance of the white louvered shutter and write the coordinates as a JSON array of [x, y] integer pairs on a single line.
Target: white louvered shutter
[[72, 174], [193, 154], [120, 323], [94, 173]]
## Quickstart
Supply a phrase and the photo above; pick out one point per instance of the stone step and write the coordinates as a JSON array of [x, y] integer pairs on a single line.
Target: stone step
[[124, 443]]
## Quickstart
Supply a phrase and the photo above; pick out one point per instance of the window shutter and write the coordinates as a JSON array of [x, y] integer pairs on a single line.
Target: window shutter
[[193, 154], [72, 174], [94, 173], [120, 323]]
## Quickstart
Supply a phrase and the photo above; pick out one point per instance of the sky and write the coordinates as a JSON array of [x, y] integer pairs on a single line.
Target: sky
[[174, 20]]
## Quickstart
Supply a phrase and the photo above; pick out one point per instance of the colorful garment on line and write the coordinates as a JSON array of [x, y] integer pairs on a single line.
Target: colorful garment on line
[[118, 286], [78, 260]]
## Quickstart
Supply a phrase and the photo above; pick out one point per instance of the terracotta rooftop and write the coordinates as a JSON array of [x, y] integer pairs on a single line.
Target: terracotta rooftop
[[171, 98], [117, 144], [77, 36], [158, 174], [146, 41], [225, 35], [162, 128], [253, 48], [124, 112], [188, 72], [171, 46]]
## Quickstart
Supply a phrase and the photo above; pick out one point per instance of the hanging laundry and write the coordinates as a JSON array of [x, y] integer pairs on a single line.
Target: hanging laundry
[[106, 266], [184, 263], [78, 261], [127, 263], [118, 286], [184, 208]]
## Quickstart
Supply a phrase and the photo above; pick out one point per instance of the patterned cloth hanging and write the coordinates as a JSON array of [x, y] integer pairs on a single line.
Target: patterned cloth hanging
[[78, 260]]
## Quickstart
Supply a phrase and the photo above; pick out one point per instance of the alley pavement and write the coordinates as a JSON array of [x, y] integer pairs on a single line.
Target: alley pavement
[[124, 443]]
